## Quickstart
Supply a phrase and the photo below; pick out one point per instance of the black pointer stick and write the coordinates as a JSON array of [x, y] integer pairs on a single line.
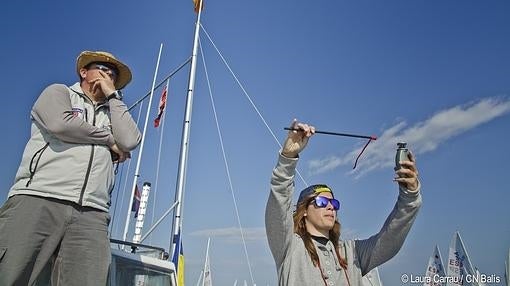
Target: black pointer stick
[[335, 133], [370, 138]]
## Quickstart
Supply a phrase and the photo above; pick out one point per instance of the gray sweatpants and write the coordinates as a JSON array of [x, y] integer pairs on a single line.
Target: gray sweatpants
[[39, 234]]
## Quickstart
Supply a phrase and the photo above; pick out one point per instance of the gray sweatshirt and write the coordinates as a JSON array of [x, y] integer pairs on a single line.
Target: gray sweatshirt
[[294, 265], [68, 154]]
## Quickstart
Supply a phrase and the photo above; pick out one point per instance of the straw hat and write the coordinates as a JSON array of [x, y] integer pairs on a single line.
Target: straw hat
[[87, 57]]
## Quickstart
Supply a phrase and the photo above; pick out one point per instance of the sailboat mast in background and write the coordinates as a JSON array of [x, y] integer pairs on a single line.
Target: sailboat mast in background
[[176, 241], [137, 170]]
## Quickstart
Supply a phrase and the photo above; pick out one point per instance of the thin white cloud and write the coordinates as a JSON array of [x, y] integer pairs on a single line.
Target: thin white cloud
[[233, 234], [422, 137]]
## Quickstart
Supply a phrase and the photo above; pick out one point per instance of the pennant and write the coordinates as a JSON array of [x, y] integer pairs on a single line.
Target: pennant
[[162, 104], [196, 3], [136, 201]]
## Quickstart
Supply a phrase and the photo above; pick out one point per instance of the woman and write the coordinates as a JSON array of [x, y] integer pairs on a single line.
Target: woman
[[305, 242]]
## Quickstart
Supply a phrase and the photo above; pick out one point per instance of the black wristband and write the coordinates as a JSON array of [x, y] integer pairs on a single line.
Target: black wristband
[[116, 94]]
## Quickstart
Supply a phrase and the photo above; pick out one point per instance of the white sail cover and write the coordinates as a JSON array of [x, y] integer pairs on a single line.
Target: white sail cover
[[435, 273], [460, 271], [372, 278]]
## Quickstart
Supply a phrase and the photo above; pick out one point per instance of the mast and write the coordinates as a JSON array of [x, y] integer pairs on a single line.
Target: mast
[[137, 170], [175, 243]]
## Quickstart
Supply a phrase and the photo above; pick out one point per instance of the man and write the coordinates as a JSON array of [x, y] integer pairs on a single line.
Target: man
[[306, 244], [57, 210]]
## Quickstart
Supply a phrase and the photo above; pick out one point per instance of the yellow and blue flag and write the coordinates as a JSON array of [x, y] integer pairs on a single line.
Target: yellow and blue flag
[[178, 260]]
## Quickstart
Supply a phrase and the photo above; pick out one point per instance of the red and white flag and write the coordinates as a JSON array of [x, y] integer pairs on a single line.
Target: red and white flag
[[162, 104]]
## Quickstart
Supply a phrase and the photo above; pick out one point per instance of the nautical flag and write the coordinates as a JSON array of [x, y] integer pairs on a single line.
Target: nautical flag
[[459, 265], [434, 275], [162, 104], [178, 260], [180, 271], [136, 201], [196, 3]]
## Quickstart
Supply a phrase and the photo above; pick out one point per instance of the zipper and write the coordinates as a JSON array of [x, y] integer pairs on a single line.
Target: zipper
[[37, 154], [89, 167]]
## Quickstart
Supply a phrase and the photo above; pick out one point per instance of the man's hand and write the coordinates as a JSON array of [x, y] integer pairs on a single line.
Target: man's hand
[[104, 83], [121, 155], [407, 176], [296, 140]]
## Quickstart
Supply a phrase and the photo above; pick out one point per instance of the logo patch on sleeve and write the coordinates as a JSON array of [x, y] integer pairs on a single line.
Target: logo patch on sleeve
[[77, 111]]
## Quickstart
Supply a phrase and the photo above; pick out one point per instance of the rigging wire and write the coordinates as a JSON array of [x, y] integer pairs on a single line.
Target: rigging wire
[[226, 162], [249, 98], [160, 83]]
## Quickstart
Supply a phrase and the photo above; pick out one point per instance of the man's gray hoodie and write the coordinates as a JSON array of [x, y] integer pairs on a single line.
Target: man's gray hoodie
[[68, 154]]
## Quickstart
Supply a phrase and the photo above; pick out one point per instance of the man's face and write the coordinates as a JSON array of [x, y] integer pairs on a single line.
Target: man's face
[[95, 72]]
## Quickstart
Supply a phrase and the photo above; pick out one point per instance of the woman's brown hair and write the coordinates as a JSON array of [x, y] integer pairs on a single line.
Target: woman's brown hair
[[300, 229]]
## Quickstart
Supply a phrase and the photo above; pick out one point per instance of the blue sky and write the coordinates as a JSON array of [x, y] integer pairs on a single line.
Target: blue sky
[[432, 73]]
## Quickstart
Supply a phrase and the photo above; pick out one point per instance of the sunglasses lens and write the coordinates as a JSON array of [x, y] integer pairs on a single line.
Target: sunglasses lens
[[321, 202], [335, 203]]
